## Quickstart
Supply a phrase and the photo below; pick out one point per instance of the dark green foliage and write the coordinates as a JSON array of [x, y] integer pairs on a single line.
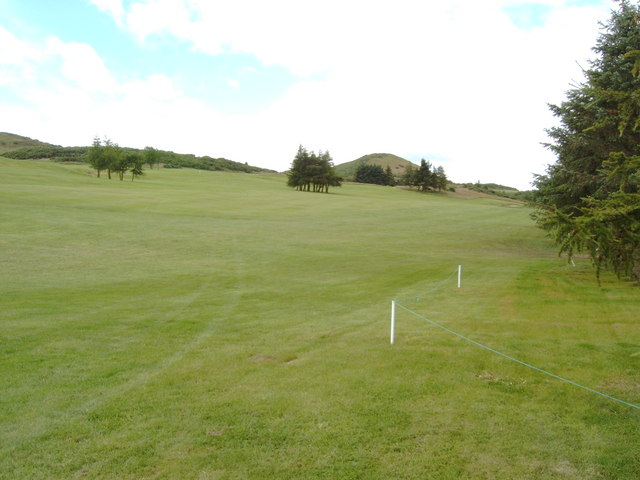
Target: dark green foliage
[[500, 190], [374, 174], [52, 152], [136, 160], [590, 198], [426, 177], [151, 157], [311, 172], [176, 160], [96, 156]]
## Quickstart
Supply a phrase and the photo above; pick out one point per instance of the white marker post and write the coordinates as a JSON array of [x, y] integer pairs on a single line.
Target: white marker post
[[393, 319], [459, 275]]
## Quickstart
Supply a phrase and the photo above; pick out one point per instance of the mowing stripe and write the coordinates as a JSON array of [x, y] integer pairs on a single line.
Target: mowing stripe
[[432, 289], [435, 324]]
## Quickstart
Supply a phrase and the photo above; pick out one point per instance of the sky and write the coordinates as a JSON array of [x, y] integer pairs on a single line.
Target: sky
[[464, 84]]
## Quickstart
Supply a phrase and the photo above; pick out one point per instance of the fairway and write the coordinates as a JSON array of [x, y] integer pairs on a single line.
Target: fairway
[[209, 325]]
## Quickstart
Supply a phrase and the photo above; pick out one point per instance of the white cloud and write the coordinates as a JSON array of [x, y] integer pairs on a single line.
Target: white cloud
[[82, 65], [113, 8], [456, 82]]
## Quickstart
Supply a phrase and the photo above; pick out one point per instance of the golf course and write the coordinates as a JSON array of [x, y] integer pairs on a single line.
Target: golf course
[[211, 325]]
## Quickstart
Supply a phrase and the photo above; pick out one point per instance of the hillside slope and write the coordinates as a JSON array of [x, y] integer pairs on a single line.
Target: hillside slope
[[11, 141], [25, 148], [397, 164]]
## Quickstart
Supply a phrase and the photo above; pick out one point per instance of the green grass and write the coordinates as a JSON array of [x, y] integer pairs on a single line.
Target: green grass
[[207, 325]]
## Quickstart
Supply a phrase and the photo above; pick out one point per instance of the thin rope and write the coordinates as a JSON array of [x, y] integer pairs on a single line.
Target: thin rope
[[432, 289], [435, 324]]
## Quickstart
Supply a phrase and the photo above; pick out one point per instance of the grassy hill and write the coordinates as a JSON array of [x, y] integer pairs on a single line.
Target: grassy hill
[[398, 164], [11, 141], [24, 148], [207, 325]]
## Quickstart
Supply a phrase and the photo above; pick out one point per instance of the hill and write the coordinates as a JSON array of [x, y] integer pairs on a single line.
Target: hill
[[11, 141], [397, 164], [25, 148]]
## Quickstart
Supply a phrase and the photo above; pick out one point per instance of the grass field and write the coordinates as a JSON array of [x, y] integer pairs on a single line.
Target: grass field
[[206, 325]]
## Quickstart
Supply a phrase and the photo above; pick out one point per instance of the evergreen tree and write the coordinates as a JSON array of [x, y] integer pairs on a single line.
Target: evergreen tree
[[389, 179], [440, 179], [590, 198], [424, 178], [410, 176], [311, 172], [375, 174]]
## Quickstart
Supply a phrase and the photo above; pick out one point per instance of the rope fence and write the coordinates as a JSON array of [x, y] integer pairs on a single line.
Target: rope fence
[[396, 303]]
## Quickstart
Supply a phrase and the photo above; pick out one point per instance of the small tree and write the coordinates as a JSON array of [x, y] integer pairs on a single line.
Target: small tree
[[440, 179], [122, 161], [424, 178], [96, 156], [388, 174], [151, 156], [410, 176], [135, 165], [112, 155]]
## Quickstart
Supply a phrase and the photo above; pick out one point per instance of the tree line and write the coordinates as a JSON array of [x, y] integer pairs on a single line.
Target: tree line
[[426, 177], [311, 172], [366, 173], [589, 200]]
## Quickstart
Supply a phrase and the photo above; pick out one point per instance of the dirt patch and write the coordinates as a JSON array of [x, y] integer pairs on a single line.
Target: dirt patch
[[262, 358], [290, 360]]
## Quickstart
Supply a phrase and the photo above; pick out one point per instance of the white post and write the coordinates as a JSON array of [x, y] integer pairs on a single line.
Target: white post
[[459, 275], [393, 319]]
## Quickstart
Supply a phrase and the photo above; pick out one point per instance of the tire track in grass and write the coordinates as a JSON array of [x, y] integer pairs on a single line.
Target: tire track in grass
[[47, 427]]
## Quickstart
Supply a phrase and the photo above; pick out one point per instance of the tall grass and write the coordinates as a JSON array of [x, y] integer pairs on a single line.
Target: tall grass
[[209, 325]]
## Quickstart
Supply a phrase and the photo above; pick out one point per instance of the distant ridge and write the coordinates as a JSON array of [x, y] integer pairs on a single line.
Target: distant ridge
[[11, 141], [397, 164], [25, 148]]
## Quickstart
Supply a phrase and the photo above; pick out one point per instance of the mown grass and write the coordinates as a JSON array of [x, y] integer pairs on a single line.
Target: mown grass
[[221, 326]]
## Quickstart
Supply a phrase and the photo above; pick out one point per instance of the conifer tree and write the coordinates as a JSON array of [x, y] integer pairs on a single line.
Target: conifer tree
[[311, 172], [590, 198]]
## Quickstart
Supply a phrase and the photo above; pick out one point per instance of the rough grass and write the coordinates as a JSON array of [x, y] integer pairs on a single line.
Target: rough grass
[[221, 326]]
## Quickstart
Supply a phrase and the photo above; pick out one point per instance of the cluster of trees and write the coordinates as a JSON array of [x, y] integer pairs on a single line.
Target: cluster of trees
[[107, 155], [590, 198], [366, 173], [311, 172], [425, 177]]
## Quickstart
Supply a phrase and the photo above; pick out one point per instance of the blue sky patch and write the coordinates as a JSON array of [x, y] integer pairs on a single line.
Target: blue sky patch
[[528, 15]]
